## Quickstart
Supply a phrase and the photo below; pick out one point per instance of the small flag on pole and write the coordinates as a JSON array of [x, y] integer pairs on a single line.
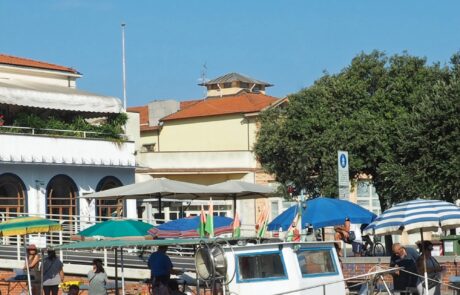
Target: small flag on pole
[[261, 225], [209, 227], [201, 230], [236, 226], [293, 234]]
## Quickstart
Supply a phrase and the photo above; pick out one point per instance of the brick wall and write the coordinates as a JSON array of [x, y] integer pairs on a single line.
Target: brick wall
[[354, 266]]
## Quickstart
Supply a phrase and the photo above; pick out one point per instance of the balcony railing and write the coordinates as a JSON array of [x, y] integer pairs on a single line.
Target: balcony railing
[[59, 132]]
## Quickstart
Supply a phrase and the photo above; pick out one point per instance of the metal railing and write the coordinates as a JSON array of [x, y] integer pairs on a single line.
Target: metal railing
[[59, 132], [71, 226]]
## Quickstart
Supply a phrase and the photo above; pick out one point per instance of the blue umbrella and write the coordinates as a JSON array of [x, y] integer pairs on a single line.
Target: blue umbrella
[[321, 212], [188, 227]]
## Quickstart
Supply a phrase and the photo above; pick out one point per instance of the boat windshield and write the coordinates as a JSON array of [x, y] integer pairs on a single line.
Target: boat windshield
[[316, 262], [261, 266]]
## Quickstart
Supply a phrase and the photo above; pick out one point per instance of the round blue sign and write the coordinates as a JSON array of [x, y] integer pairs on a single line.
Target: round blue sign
[[343, 160]]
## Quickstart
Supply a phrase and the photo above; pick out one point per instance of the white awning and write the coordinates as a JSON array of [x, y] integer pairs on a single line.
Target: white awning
[[30, 94]]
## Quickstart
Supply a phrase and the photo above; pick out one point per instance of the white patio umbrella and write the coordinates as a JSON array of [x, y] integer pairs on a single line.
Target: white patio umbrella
[[240, 189], [416, 216]]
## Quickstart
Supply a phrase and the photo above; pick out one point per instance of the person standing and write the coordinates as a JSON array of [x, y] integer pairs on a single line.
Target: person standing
[[161, 269], [433, 269], [34, 268], [53, 273], [97, 279], [407, 258]]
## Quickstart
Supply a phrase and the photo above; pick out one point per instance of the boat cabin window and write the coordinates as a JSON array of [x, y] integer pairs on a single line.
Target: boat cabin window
[[261, 266], [316, 262]]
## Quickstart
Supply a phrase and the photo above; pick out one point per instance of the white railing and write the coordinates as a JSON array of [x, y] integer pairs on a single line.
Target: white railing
[[71, 225], [57, 132]]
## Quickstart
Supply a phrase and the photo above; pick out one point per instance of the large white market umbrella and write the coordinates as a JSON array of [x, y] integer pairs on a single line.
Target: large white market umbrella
[[416, 216]]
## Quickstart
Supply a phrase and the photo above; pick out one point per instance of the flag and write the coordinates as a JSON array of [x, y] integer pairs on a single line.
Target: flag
[[261, 225], [291, 234], [209, 226], [201, 230], [236, 226]]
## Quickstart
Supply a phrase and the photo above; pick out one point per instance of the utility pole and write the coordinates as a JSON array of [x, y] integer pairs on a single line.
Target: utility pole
[[124, 63]]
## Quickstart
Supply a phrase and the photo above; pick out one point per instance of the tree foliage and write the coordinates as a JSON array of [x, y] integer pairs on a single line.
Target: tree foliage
[[397, 117]]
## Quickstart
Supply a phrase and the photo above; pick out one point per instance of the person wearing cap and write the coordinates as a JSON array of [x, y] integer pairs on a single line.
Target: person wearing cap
[[433, 269], [53, 273], [34, 268]]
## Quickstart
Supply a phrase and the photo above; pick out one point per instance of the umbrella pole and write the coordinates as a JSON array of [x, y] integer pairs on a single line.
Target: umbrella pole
[[234, 205], [116, 272], [122, 272], [425, 274], [27, 266]]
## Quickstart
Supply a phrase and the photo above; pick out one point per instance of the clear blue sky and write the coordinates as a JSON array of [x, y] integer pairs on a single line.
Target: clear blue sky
[[287, 43]]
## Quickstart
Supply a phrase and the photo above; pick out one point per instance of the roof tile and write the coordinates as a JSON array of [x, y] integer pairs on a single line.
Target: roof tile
[[24, 62], [240, 103]]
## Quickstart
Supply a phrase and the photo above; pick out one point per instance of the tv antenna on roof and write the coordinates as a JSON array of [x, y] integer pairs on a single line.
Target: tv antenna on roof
[[204, 72]]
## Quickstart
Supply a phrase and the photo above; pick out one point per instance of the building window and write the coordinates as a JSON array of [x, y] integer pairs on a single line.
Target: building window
[[367, 196], [108, 208], [227, 84], [61, 203], [12, 195], [148, 148], [244, 85]]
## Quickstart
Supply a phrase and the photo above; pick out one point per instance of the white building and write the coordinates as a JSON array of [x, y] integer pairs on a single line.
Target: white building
[[43, 168]]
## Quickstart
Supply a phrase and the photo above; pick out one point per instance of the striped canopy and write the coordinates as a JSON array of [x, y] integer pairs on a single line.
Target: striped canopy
[[187, 227], [416, 215]]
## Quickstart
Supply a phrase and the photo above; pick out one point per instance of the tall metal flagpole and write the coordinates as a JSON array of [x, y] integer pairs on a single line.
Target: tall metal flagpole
[[124, 63]]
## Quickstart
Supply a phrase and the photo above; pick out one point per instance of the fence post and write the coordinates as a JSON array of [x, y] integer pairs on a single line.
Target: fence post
[[18, 247], [61, 252]]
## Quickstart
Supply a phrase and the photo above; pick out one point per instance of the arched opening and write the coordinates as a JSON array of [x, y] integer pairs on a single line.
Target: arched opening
[[61, 200], [108, 208], [12, 196]]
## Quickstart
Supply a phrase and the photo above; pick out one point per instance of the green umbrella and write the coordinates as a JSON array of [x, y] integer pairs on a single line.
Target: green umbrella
[[21, 226], [118, 228]]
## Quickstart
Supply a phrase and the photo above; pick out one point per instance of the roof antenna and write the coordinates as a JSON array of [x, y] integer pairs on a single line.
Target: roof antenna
[[204, 72], [123, 25]]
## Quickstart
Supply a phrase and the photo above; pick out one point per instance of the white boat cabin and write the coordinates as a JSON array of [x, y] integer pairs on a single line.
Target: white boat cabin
[[278, 268]]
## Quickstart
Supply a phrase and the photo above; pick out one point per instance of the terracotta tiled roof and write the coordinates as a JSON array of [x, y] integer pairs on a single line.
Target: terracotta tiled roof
[[143, 118], [188, 103], [240, 103], [24, 62]]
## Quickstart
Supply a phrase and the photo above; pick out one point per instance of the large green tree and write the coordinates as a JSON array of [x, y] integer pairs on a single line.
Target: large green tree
[[397, 116]]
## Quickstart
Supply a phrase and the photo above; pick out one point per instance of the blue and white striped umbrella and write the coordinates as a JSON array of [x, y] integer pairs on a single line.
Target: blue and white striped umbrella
[[416, 215]]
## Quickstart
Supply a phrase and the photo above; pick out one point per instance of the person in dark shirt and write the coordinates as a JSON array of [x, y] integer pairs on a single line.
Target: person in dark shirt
[[161, 269], [407, 258]]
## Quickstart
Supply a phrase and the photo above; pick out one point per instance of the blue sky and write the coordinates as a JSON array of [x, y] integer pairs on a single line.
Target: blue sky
[[288, 43]]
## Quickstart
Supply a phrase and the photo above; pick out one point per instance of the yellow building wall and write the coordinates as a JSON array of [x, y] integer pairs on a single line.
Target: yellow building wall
[[149, 137], [218, 133]]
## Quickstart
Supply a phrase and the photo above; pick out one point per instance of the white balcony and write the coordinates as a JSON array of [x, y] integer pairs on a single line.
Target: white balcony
[[237, 160], [45, 149]]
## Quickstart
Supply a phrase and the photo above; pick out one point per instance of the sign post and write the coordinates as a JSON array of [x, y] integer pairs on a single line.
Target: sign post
[[343, 175]]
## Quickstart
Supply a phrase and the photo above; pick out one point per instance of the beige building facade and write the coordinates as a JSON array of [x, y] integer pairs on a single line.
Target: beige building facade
[[210, 140]]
